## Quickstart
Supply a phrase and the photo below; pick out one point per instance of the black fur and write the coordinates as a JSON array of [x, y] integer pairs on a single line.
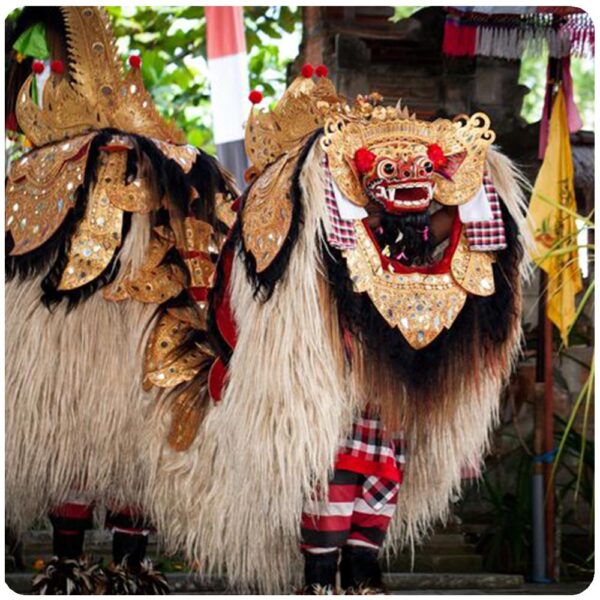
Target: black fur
[[484, 322], [416, 246]]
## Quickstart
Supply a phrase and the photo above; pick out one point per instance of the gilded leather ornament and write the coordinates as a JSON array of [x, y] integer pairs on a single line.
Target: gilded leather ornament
[[96, 95], [195, 317], [98, 234], [165, 364], [419, 305], [41, 189], [223, 209], [187, 411], [153, 283], [185, 156], [199, 236], [267, 212], [473, 270]]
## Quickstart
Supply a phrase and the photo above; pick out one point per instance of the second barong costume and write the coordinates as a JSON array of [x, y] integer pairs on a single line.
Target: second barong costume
[[113, 224]]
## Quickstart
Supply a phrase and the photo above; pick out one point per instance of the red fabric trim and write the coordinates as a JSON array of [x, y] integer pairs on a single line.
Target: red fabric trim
[[216, 379], [459, 38], [369, 468], [326, 522], [199, 294], [194, 254], [224, 31], [223, 313], [442, 266], [71, 510]]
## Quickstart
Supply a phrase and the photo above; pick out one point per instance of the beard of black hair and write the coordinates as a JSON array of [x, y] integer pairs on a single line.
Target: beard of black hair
[[408, 237]]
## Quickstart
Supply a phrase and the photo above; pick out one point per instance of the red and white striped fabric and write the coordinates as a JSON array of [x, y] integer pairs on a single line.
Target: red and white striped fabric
[[486, 236], [345, 517], [228, 75], [342, 235]]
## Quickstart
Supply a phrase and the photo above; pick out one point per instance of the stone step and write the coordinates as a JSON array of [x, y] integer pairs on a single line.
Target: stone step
[[431, 563], [185, 583]]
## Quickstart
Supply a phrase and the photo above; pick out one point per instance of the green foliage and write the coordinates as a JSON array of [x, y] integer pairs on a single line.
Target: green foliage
[[172, 42], [533, 75], [403, 12]]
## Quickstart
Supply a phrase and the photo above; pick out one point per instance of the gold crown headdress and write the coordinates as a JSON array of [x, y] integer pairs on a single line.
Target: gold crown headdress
[[96, 94], [299, 112]]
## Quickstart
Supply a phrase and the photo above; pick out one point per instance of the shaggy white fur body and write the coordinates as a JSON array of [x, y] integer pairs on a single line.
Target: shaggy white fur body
[[234, 500], [74, 401]]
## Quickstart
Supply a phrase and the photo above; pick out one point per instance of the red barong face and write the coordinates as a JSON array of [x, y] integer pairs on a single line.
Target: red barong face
[[403, 179]]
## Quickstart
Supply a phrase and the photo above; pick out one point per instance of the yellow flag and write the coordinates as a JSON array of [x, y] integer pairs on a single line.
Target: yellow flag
[[555, 230]]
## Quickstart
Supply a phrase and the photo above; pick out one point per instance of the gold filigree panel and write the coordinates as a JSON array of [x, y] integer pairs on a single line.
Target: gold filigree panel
[[98, 234], [41, 189], [167, 361], [473, 270], [420, 305], [267, 212], [297, 114]]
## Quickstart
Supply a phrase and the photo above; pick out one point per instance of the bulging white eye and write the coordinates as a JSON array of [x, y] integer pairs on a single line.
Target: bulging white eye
[[386, 169], [424, 166]]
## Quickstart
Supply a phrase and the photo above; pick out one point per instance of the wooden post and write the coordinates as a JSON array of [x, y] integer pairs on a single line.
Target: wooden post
[[548, 439]]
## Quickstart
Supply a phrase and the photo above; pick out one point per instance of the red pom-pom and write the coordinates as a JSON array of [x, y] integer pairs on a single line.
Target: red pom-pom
[[235, 205], [37, 67], [364, 160], [135, 62], [436, 156], [321, 71], [57, 66], [255, 96], [307, 71]]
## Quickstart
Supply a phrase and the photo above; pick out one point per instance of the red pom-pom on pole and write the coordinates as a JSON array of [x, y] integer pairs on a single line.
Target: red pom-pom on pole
[[37, 67], [364, 160], [135, 62], [255, 97], [321, 71], [307, 71], [57, 66]]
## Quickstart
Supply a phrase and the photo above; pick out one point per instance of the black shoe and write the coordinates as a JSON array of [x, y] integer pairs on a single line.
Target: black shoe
[[320, 572], [129, 548], [360, 570]]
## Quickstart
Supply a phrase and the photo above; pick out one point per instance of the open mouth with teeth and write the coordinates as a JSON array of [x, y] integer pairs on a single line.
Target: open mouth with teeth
[[402, 196]]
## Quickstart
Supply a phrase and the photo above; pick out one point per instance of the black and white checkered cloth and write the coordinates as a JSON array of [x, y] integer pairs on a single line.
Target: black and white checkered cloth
[[486, 236]]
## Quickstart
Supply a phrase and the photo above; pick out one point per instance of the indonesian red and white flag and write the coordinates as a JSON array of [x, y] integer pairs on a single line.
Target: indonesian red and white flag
[[228, 75]]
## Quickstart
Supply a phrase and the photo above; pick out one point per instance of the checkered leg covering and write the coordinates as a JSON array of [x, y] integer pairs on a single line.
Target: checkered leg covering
[[362, 493], [486, 236]]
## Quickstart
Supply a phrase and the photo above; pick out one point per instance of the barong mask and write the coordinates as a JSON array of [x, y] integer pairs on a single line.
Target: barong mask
[[377, 157]]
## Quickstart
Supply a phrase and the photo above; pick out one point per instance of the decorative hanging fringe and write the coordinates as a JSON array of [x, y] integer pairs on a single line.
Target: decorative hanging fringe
[[509, 36]]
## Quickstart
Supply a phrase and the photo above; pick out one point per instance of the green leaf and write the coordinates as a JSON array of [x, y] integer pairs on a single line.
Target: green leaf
[[32, 42]]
